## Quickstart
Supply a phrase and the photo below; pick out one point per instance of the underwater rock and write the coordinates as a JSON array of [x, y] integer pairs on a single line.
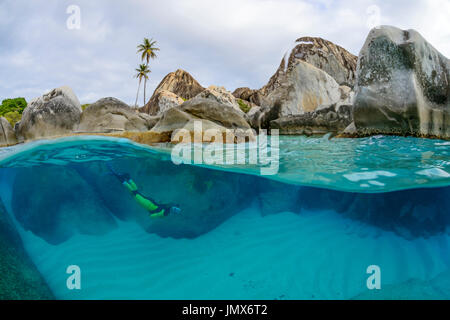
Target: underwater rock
[[409, 213], [403, 86], [302, 88], [111, 115], [206, 197], [161, 101], [332, 119], [54, 203], [108, 190], [54, 114], [7, 134], [180, 82], [276, 197], [20, 279]]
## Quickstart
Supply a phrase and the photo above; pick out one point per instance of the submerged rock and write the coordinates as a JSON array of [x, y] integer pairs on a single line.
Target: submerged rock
[[180, 83], [20, 279], [276, 197], [7, 134], [110, 115], [54, 114], [55, 203], [403, 86], [207, 197], [409, 213]]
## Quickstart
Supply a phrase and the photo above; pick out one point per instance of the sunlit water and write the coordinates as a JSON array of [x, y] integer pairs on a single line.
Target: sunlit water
[[335, 207]]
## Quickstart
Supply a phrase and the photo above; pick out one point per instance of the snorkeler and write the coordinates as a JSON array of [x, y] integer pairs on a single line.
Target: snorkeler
[[155, 210]]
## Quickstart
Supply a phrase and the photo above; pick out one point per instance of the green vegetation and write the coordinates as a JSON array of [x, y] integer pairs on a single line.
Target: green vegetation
[[244, 107], [142, 73], [148, 51], [84, 106], [12, 109]]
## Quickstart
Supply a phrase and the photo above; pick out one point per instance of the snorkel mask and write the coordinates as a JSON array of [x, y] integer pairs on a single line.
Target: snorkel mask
[[175, 210]]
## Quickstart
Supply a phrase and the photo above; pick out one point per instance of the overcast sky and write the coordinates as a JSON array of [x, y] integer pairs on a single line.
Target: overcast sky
[[232, 43]]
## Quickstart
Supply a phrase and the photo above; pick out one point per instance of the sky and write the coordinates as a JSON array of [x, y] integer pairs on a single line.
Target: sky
[[45, 44]]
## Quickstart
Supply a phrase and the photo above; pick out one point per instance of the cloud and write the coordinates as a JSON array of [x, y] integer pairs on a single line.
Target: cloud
[[232, 43]]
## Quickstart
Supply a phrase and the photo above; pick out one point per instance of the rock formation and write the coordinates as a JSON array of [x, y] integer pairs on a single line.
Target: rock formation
[[325, 55], [55, 113], [7, 134], [220, 95], [303, 88], [161, 101], [62, 206], [111, 115], [334, 119], [180, 83], [210, 113], [247, 94], [403, 86], [20, 279]]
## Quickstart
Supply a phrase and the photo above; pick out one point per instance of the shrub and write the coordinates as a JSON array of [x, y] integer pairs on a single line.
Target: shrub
[[13, 117], [84, 106], [12, 109], [244, 107], [13, 105]]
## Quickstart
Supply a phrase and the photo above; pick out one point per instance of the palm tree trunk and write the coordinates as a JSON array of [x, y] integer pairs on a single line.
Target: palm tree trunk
[[137, 95], [145, 85]]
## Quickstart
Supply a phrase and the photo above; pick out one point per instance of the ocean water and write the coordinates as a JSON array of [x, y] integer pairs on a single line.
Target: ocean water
[[334, 208]]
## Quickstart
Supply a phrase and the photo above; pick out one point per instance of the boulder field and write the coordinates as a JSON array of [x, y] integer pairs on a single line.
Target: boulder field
[[398, 85]]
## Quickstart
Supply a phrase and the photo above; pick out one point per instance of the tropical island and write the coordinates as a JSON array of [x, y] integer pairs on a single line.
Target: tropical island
[[399, 85]]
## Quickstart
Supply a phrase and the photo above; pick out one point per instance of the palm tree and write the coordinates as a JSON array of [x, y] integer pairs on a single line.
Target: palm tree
[[148, 51], [142, 73]]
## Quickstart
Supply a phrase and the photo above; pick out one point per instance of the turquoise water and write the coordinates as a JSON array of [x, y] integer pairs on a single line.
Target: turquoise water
[[335, 207]]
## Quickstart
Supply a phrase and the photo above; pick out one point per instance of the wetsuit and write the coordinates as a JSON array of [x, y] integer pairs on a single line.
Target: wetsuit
[[155, 210]]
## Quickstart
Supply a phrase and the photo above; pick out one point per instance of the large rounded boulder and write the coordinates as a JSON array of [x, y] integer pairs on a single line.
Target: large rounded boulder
[[302, 88], [403, 86], [180, 83], [111, 115], [53, 114], [7, 135]]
